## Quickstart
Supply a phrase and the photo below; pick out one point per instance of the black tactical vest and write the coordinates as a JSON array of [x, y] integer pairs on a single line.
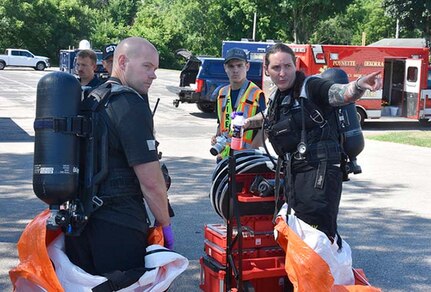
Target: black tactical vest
[[296, 122]]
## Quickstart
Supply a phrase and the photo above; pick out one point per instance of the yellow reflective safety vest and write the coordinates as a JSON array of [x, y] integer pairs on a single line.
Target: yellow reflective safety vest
[[247, 102]]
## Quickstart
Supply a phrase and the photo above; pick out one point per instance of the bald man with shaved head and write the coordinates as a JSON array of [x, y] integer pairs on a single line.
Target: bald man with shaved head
[[135, 63], [115, 237]]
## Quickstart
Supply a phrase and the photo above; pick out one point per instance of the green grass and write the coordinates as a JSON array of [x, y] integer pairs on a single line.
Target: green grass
[[417, 138]]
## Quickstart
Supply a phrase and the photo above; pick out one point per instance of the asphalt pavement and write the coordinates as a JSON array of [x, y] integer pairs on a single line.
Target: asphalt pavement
[[384, 214]]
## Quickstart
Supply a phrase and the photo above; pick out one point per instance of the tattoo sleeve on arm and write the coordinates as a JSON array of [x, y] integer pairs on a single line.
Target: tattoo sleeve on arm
[[341, 94]]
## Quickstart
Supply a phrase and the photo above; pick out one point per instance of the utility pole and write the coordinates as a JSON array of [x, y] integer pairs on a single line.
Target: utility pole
[[364, 37], [254, 26], [397, 29]]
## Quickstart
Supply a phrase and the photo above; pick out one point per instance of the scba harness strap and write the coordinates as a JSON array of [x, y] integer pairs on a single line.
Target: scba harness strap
[[296, 122], [122, 181], [77, 125], [120, 279]]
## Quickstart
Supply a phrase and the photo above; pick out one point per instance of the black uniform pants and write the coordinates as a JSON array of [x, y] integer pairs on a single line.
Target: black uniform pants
[[318, 207], [104, 247]]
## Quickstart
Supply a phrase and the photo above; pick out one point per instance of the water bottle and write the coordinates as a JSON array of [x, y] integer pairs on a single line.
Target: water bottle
[[237, 131]]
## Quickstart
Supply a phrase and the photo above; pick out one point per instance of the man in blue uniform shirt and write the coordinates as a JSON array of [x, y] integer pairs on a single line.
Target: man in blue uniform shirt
[[86, 64]]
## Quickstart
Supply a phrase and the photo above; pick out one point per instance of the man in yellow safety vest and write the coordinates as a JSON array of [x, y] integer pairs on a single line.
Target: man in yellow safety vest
[[241, 95]]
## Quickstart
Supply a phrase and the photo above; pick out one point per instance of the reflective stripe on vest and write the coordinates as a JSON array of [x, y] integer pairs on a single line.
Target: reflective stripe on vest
[[248, 104]]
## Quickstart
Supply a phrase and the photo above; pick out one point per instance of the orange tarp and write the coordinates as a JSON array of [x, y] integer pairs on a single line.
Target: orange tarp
[[35, 264], [307, 270]]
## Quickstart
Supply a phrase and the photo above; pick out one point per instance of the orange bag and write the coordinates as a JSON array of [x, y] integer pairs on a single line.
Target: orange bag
[[307, 270], [35, 269]]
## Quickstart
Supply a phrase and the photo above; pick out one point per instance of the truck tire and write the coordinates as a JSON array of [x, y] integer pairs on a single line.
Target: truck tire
[[424, 122], [2, 65], [40, 66], [206, 107], [361, 116]]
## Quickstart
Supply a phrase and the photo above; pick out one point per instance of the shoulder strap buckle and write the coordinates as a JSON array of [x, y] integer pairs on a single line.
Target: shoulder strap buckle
[[97, 201]]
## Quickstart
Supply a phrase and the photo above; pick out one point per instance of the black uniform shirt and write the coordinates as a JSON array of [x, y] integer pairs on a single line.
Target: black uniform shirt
[[131, 142], [318, 91], [133, 126]]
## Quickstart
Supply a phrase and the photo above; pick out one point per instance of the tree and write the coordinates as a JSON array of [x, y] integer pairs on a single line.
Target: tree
[[332, 31], [305, 15], [368, 16], [361, 16], [274, 23], [43, 26], [158, 21], [123, 11], [46, 26], [112, 20], [73, 22], [376, 23], [414, 16]]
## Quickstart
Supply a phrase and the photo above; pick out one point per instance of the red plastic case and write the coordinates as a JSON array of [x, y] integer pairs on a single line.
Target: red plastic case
[[219, 254], [263, 274], [262, 259], [216, 233], [257, 223], [273, 251]]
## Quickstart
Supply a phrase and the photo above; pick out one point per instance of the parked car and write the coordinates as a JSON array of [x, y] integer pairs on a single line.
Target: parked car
[[23, 58]]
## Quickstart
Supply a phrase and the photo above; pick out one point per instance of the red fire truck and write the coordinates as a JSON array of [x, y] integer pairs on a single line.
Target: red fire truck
[[406, 74]]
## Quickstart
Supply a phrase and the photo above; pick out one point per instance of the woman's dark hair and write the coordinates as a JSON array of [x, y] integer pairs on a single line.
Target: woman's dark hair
[[279, 47], [299, 75]]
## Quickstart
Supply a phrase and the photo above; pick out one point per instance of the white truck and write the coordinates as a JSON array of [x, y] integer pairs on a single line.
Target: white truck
[[23, 58]]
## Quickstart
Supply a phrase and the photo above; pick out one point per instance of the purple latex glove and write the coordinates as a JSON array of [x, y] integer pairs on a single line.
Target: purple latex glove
[[168, 237]]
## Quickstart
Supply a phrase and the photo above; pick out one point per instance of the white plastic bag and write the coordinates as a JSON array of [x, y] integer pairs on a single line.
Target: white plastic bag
[[338, 260], [167, 266]]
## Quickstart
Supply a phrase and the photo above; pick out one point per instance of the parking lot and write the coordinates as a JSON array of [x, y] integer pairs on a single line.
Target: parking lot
[[384, 214]]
